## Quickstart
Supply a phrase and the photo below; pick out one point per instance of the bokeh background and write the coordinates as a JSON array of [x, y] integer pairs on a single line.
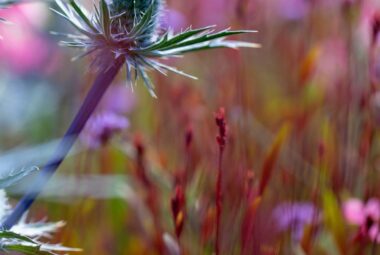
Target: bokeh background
[[301, 167]]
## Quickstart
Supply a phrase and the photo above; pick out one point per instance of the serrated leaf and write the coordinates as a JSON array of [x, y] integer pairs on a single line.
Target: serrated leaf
[[26, 249], [15, 236], [272, 156], [334, 219], [165, 42], [205, 38]]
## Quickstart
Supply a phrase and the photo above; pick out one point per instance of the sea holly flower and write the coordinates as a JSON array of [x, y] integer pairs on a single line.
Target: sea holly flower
[[128, 30]]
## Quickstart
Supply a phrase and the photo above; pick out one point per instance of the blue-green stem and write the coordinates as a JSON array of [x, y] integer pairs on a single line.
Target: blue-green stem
[[101, 83]]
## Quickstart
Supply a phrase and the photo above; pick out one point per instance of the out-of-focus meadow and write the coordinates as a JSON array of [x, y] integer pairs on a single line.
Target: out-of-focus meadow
[[301, 164]]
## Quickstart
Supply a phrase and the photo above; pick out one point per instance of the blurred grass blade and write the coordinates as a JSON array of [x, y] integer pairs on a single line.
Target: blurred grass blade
[[334, 219], [13, 235], [271, 157], [15, 176]]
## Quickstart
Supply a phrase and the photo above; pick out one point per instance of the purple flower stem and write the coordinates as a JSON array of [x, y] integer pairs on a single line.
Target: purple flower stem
[[99, 87]]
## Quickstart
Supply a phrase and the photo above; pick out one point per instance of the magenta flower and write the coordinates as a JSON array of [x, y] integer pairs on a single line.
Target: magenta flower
[[294, 217], [22, 50], [365, 215]]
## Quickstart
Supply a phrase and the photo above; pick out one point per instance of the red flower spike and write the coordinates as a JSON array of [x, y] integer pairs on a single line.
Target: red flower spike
[[221, 138], [178, 210], [221, 123]]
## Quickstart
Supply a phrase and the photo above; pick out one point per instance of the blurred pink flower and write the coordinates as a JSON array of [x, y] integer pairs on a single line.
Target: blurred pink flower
[[365, 215], [330, 67], [174, 20], [22, 49]]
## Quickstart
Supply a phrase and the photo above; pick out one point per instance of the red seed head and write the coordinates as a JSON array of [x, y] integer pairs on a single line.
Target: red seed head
[[221, 123], [178, 209]]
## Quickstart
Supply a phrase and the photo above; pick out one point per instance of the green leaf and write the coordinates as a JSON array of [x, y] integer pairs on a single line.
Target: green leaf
[[165, 42], [205, 38], [105, 17], [334, 219]]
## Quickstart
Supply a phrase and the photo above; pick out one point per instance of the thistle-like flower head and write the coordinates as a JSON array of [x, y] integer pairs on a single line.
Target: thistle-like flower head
[[128, 29]]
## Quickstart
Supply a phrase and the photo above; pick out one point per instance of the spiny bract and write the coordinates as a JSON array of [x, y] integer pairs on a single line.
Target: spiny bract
[[129, 12], [127, 29]]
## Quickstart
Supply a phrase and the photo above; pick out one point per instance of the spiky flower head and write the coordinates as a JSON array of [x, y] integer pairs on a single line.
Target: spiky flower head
[[128, 29]]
